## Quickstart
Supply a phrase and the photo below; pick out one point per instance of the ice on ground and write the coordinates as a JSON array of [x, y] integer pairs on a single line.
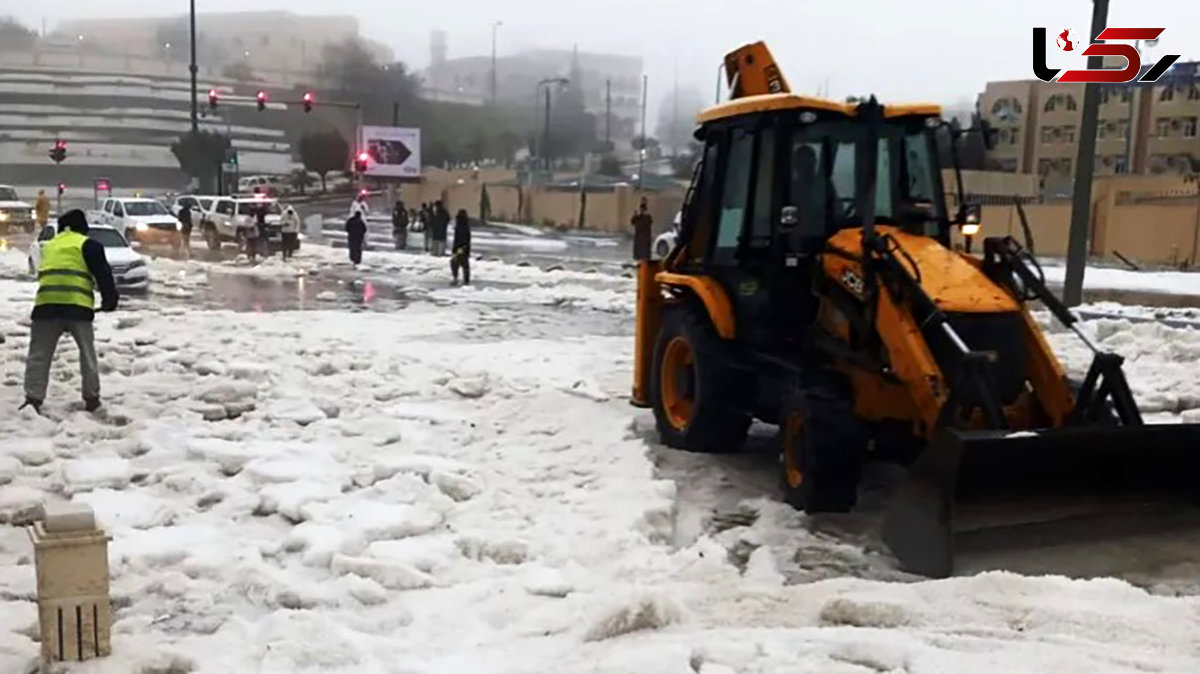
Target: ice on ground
[[124, 509], [29, 451], [390, 574], [9, 467], [86, 474], [641, 610]]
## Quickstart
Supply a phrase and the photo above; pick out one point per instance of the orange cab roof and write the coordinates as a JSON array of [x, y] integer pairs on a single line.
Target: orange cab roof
[[773, 102]]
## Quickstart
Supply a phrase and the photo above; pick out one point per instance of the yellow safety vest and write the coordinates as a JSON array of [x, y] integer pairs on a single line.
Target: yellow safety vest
[[63, 277]]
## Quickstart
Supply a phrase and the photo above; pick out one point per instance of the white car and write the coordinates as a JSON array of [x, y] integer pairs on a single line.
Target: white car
[[14, 213], [231, 217], [265, 185], [665, 243], [129, 268], [202, 204], [144, 221]]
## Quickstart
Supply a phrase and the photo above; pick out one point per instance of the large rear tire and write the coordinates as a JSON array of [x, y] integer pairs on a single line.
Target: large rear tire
[[694, 387], [822, 445]]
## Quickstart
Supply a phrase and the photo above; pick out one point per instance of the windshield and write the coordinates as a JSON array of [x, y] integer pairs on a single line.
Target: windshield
[[144, 208], [8, 194], [188, 202], [206, 204], [107, 238], [824, 176], [251, 207]]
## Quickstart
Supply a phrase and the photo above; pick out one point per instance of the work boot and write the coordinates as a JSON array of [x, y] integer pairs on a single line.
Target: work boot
[[30, 402], [91, 404]]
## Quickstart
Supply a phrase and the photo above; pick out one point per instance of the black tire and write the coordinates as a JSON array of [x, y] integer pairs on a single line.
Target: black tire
[[822, 445], [211, 237], [703, 415]]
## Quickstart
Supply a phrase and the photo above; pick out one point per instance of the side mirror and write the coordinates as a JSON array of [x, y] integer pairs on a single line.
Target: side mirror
[[969, 217]]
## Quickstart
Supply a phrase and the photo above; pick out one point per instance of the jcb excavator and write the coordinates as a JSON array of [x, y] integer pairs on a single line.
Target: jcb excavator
[[814, 285]]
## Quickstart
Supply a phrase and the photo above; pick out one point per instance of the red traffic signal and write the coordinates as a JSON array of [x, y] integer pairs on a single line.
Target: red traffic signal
[[58, 154], [362, 161], [62, 187], [262, 100], [308, 101], [213, 98]]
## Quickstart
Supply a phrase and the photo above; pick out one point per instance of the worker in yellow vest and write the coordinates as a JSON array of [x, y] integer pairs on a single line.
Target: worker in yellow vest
[[73, 267]]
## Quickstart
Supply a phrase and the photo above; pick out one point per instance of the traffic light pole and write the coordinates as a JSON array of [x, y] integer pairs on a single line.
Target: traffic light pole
[[194, 70]]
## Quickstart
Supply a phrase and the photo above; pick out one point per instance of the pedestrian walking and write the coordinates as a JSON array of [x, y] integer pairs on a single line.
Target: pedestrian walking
[[249, 232], [289, 232], [41, 209], [356, 231], [185, 231], [400, 225], [360, 206], [426, 231], [643, 225], [460, 259], [73, 267], [264, 239], [441, 223]]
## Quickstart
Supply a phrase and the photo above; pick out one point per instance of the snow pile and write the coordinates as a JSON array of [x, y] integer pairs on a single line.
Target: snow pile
[[395, 492]]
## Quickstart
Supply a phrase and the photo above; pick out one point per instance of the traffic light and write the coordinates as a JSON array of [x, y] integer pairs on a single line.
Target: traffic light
[[59, 153], [308, 101], [361, 162], [262, 100], [213, 98], [62, 187]]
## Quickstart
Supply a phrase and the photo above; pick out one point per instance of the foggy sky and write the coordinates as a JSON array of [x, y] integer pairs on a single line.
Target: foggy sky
[[936, 50]]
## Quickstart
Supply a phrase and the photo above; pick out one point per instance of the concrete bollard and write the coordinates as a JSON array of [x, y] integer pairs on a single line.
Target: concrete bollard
[[74, 611]]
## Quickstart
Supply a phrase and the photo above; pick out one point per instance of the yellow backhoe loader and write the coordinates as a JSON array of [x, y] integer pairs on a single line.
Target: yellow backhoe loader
[[814, 285]]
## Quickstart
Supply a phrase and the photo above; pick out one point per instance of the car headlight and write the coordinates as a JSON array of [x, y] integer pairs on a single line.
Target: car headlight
[[33, 214], [137, 263], [3, 216], [141, 226]]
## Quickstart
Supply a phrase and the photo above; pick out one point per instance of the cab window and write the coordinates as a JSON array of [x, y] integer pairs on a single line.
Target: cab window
[[225, 207], [735, 192], [118, 210], [700, 211]]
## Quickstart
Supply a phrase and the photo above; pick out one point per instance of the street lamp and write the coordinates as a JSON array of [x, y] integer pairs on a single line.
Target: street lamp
[[495, 27], [563, 82]]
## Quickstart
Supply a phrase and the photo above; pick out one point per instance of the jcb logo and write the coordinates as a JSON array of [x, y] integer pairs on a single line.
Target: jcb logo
[[1109, 75]]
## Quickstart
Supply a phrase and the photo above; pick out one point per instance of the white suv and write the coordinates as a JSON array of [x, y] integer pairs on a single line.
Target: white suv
[[145, 221], [231, 217], [14, 213]]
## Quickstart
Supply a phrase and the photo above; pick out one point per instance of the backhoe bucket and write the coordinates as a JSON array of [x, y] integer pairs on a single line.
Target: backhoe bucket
[[971, 480]]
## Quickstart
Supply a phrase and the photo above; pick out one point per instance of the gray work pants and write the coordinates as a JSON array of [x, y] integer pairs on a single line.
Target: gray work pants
[[43, 340]]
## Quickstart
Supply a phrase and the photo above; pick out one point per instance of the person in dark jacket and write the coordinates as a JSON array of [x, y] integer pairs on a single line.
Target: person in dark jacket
[[441, 223], [400, 225], [461, 255], [356, 232], [260, 222], [72, 268], [426, 226], [185, 232]]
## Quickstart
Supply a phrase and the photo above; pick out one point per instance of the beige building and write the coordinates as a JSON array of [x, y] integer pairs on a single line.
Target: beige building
[[274, 45], [1038, 123]]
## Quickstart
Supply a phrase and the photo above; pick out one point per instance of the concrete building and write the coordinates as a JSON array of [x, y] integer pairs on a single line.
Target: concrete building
[[1143, 129], [469, 80], [279, 47]]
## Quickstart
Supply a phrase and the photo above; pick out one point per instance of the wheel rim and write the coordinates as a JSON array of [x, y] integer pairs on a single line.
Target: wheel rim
[[678, 382], [793, 432]]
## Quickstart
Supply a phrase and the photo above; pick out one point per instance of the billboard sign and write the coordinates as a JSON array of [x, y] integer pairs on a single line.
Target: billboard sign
[[395, 151]]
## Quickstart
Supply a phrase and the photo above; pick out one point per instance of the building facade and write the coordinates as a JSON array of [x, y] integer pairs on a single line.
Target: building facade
[[602, 77], [1143, 129]]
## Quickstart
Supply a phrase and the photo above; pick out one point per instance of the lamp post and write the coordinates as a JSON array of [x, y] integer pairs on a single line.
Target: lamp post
[[495, 27], [192, 68], [544, 151]]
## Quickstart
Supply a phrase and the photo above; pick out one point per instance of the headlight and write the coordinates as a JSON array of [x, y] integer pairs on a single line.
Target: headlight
[[178, 226], [141, 226], [33, 214], [3, 216], [970, 229]]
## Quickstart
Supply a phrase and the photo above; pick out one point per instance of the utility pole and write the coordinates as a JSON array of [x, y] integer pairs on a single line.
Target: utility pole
[[1085, 165], [546, 132], [1133, 95], [194, 70], [642, 153], [608, 110], [544, 151], [495, 26]]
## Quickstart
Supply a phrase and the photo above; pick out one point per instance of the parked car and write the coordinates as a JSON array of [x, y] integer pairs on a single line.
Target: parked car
[[129, 268], [143, 221], [15, 215], [665, 243], [231, 217], [265, 185]]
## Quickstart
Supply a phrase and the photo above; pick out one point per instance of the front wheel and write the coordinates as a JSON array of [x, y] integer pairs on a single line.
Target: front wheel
[[822, 445], [694, 386]]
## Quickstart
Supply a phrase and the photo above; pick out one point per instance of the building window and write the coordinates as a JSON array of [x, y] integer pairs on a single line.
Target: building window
[[1121, 164], [1102, 129], [1123, 129], [1012, 139], [1002, 136], [1049, 133], [1070, 102], [1126, 94], [1162, 127], [1194, 93], [1068, 134], [1167, 94], [1158, 164], [1189, 127], [1051, 103]]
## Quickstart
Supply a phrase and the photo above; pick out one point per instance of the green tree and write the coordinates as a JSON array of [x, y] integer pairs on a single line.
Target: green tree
[[15, 36], [324, 152], [299, 180], [200, 155]]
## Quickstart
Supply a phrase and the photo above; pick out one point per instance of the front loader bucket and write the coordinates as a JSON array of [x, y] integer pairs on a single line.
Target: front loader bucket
[[963, 474]]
